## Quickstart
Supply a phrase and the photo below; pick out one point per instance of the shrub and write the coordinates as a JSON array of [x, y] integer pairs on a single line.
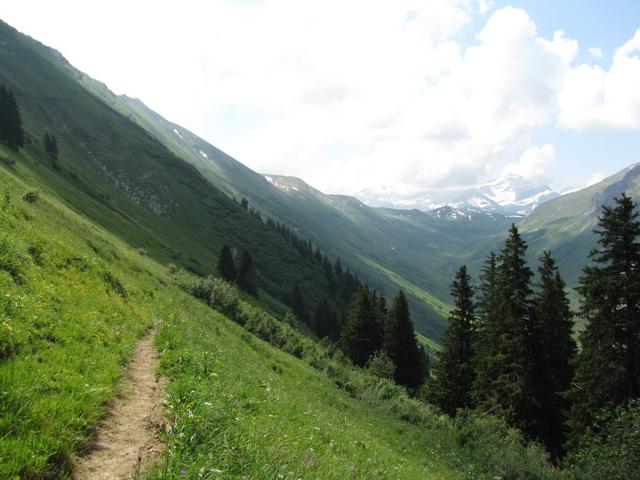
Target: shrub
[[113, 283], [611, 447], [31, 196]]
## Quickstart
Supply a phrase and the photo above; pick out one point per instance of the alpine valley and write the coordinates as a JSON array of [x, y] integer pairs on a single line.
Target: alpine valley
[[118, 225]]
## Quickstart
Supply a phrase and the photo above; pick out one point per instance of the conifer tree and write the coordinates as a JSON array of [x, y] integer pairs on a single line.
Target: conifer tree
[[451, 389], [608, 366], [507, 386], [11, 132], [360, 337], [486, 329], [297, 303], [246, 279], [51, 145], [226, 266], [552, 349], [400, 344]]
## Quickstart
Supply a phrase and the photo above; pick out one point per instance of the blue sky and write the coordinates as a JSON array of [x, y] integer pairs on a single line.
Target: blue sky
[[405, 95]]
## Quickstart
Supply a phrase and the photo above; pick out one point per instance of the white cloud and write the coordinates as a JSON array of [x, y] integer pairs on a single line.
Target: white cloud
[[347, 95], [592, 97], [484, 6], [595, 52], [534, 162]]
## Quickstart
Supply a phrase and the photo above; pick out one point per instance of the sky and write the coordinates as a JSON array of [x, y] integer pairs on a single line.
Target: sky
[[364, 94]]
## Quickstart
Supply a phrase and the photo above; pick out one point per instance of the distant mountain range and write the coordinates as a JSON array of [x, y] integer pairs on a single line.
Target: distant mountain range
[[510, 194]]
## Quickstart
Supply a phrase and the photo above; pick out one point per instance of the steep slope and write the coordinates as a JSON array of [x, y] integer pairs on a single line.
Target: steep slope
[[564, 225], [388, 249], [75, 300], [113, 171]]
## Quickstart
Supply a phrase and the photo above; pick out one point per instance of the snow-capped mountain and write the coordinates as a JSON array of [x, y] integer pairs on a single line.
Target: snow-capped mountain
[[510, 194]]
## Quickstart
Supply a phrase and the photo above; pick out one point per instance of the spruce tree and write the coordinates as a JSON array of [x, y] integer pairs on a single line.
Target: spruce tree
[[11, 132], [297, 303], [51, 145], [608, 366], [451, 389], [360, 337], [507, 386], [486, 329], [226, 266], [400, 344], [246, 279], [552, 349]]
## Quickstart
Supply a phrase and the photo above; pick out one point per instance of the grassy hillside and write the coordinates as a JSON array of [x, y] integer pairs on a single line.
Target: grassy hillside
[[75, 298], [111, 170]]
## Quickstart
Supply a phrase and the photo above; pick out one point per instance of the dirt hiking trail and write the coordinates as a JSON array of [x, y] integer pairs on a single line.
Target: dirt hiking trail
[[127, 441]]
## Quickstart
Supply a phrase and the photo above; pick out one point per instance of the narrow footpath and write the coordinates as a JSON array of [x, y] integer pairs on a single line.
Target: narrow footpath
[[127, 441]]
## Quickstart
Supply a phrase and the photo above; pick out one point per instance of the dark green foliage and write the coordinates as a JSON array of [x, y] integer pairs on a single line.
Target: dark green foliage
[[326, 322], [244, 204], [114, 284], [50, 145], [296, 301], [361, 337], [610, 449], [608, 366], [399, 343], [503, 372], [552, 349], [246, 279], [451, 389], [226, 266], [11, 132]]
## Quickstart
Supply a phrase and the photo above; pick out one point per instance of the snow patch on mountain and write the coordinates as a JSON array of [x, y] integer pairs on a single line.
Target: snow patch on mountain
[[510, 194]]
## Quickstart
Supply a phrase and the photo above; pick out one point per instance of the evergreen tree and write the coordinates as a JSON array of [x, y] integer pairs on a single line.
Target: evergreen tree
[[608, 366], [400, 344], [11, 132], [325, 321], [454, 373], [506, 386], [360, 337], [552, 349], [226, 266], [297, 303], [51, 145], [246, 279], [486, 329]]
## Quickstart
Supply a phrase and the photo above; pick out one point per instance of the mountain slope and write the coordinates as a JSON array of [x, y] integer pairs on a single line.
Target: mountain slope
[[388, 249], [113, 171], [564, 225]]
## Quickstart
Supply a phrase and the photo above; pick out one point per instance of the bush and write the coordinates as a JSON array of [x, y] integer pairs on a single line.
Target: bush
[[113, 283], [611, 447], [381, 366], [31, 196]]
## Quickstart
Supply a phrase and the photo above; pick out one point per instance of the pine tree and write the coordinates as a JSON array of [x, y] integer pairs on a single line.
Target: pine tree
[[552, 349], [486, 330], [451, 389], [226, 266], [11, 132], [297, 303], [360, 337], [506, 387], [400, 344], [246, 279], [51, 145], [608, 366]]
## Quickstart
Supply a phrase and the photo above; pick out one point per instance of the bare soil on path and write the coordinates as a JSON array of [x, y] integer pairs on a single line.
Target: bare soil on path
[[127, 441]]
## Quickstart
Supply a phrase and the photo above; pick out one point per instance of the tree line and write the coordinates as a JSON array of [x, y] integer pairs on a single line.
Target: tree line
[[509, 348]]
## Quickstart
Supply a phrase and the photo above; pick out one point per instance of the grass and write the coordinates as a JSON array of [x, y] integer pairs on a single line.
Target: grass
[[76, 298]]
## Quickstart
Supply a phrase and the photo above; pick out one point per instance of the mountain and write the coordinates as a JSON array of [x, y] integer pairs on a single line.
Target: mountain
[[510, 194], [565, 224], [120, 176], [387, 248]]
